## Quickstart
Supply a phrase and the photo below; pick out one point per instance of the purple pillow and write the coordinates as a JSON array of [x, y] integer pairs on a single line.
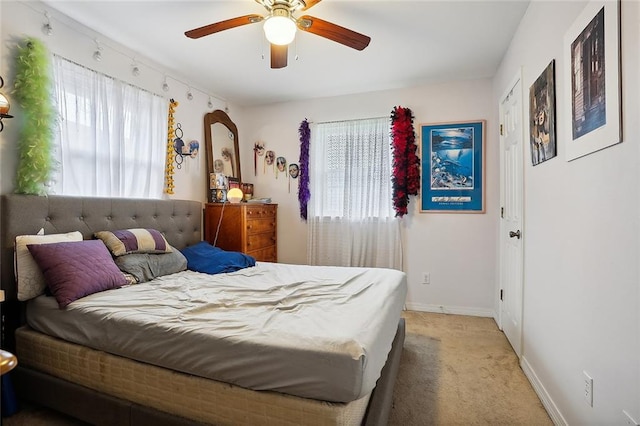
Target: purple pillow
[[76, 269]]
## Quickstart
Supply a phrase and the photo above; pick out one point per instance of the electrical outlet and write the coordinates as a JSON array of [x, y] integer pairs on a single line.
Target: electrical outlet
[[630, 421], [426, 278], [588, 389]]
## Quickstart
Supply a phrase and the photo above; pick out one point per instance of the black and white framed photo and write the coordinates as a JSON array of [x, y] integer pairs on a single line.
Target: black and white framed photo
[[592, 72]]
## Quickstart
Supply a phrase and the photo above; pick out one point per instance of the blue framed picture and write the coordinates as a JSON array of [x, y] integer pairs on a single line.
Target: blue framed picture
[[453, 167]]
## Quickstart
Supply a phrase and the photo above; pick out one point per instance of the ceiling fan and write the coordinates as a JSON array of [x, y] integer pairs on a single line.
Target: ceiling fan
[[280, 27]]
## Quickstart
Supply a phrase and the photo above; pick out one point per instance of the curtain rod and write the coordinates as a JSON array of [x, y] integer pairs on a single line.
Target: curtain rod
[[107, 76], [346, 121]]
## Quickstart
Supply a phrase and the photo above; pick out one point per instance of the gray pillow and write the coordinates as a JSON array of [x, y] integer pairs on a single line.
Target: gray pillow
[[147, 266]]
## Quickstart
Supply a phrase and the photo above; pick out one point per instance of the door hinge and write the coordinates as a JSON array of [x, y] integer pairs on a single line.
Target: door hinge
[[501, 130], [502, 212], [501, 294]]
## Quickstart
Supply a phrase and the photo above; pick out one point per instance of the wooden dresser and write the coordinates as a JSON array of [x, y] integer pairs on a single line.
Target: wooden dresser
[[249, 228]]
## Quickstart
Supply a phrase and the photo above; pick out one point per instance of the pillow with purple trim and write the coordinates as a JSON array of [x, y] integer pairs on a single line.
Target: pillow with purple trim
[[134, 240], [73, 270]]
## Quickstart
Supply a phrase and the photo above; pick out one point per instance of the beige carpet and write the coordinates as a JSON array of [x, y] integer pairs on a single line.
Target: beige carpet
[[460, 370], [455, 370]]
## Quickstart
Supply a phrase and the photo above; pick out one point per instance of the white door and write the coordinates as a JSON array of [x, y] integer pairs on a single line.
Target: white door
[[511, 232]]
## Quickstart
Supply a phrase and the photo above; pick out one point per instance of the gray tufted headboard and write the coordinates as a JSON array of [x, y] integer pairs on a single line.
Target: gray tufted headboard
[[180, 222]]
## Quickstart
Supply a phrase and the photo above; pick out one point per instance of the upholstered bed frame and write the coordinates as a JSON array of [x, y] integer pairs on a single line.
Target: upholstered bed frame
[[180, 221]]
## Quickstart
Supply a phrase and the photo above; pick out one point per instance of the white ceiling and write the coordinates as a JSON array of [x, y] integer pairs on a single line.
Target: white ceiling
[[412, 43]]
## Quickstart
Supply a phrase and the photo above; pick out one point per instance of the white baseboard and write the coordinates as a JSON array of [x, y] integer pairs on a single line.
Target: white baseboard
[[455, 310], [544, 396]]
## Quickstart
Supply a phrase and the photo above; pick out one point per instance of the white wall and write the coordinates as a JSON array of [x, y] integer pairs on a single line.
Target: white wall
[[581, 295], [76, 42], [457, 249]]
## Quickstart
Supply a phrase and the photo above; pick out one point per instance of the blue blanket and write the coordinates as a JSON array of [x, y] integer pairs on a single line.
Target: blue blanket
[[203, 257]]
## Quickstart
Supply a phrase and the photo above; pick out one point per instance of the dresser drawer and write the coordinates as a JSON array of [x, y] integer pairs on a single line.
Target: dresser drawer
[[256, 226], [260, 212], [258, 241], [265, 255]]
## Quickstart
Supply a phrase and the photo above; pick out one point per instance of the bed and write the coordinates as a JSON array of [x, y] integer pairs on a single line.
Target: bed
[[102, 386]]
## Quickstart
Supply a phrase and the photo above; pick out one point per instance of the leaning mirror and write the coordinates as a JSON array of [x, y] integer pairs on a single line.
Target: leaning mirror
[[221, 144]]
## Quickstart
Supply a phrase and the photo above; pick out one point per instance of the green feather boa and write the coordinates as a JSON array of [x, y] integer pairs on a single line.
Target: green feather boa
[[33, 93]]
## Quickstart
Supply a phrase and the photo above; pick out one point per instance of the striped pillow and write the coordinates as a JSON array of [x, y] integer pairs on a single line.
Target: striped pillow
[[135, 240]]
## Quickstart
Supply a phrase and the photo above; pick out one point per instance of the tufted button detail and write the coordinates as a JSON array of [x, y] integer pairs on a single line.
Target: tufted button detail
[[108, 217], [134, 217], [48, 219], [81, 218]]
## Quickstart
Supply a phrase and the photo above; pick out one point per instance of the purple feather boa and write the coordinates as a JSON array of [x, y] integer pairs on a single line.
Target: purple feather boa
[[303, 186]]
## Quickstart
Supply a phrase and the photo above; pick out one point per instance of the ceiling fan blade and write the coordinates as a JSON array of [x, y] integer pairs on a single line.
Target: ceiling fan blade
[[279, 56], [310, 3], [223, 25], [333, 32]]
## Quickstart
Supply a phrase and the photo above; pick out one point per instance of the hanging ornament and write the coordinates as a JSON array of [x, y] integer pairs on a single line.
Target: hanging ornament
[[258, 151], [281, 166], [294, 170], [303, 186], [169, 170], [406, 164], [269, 158]]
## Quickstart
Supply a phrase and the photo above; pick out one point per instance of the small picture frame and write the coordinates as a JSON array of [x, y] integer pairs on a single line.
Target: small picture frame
[[542, 116], [233, 182]]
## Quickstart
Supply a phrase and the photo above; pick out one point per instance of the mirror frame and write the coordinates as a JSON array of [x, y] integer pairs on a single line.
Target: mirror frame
[[211, 118]]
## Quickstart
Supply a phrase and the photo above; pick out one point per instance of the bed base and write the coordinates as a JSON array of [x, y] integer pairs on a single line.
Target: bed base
[[101, 409]]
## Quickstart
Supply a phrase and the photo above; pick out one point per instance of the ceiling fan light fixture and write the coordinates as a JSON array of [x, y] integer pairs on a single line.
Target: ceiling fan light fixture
[[280, 30]]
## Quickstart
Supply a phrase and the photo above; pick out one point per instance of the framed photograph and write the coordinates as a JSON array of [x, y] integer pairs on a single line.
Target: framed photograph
[[453, 167], [592, 72], [233, 182], [542, 116]]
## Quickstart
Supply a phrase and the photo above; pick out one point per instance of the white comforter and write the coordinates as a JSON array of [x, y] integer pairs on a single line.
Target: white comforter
[[316, 332]]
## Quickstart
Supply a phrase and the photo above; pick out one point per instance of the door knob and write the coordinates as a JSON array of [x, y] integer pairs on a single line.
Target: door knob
[[514, 234]]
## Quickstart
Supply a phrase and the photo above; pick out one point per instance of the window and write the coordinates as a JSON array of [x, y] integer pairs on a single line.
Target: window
[[351, 218], [111, 136]]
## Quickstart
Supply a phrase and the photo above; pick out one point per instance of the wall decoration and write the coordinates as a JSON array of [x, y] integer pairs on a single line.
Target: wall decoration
[[281, 166], [406, 164], [5, 106], [453, 167], [542, 116], [592, 72], [258, 151], [194, 147], [169, 185], [303, 185], [269, 159], [178, 145], [32, 89], [294, 170]]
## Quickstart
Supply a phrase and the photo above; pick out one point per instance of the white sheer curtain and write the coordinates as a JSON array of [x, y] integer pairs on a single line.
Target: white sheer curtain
[[111, 138], [351, 220]]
